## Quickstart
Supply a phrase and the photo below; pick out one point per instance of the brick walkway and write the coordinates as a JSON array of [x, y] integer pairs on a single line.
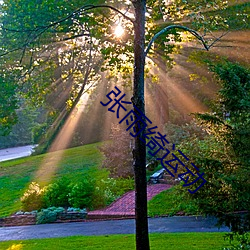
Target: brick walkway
[[124, 207]]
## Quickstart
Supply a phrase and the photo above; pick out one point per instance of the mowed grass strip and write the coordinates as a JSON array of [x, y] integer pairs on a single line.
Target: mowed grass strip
[[170, 241], [16, 175], [170, 202]]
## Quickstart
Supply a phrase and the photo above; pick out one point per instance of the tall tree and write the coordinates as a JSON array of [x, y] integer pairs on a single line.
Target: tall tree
[[139, 152]]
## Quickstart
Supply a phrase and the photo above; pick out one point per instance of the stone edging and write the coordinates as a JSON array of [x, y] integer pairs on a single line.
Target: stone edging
[[30, 219]]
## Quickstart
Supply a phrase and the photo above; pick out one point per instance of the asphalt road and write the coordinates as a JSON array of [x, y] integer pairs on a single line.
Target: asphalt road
[[14, 153], [156, 225]]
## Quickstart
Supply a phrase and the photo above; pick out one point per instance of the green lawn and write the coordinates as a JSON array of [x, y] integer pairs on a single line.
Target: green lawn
[[16, 175], [170, 241], [170, 202]]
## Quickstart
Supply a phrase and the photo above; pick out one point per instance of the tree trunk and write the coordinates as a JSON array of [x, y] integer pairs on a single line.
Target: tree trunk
[[139, 152]]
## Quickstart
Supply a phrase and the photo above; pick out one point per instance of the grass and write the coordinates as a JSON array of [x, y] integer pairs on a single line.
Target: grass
[[170, 241], [170, 202], [16, 175]]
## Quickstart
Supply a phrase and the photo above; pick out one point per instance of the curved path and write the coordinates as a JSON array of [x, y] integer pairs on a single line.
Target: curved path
[[125, 205], [156, 225]]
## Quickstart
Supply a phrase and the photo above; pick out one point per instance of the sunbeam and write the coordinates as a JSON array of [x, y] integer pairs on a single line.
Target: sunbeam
[[51, 161], [170, 94]]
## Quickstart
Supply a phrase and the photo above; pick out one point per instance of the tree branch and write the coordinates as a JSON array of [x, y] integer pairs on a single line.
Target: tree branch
[[72, 37], [86, 8], [74, 13], [193, 32], [42, 29], [218, 38], [112, 8]]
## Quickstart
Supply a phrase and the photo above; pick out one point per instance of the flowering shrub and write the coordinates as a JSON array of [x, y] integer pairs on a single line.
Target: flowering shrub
[[33, 197]]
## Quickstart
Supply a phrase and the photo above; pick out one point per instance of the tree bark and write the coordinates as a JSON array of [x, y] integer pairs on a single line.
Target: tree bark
[[139, 152]]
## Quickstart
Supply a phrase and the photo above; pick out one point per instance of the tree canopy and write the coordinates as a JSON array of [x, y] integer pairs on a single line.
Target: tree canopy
[[58, 45]]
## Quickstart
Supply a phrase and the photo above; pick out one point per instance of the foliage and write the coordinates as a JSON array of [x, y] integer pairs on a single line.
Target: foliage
[[38, 131], [224, 154], [118, 156], [93, 192], [33, 197], [123, 185], [48, 215], [57, 193], [40, 128], [242, 239], [73, 209], [108, 190], [22, 132], [176, 134], [61, 193], [236, 16], [179, 133], [81, 194], [8, 105], [45, 70], [56, 49], [103, 193]]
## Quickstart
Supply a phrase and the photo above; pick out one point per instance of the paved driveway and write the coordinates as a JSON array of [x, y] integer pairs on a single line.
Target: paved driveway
[[14, 153], [156, 225]]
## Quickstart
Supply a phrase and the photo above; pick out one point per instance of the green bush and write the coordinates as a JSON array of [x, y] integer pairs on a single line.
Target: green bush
[[81, 194], [180, 133], [85, 194], [109, 189], [243, 242], [38, 131], [33, 198], [48, 215], [123, 185], [73, 209], [57, 193], [102, 195]]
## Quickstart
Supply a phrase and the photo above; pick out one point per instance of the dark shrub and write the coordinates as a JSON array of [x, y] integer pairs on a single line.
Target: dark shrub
[[57, 193], [81, 194]]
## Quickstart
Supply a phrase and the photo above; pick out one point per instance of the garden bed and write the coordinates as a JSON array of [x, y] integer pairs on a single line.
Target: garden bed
[[30, 219]]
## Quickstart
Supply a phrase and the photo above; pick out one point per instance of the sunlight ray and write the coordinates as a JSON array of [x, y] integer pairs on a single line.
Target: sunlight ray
[[170, 93], [51, 161]]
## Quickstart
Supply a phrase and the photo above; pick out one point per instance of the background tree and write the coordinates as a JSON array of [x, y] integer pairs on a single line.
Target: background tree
[[224, 153], [117, 152], [8, 105]]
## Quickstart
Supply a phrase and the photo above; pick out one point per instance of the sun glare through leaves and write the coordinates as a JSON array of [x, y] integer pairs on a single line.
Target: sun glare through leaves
[[119, 31]]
